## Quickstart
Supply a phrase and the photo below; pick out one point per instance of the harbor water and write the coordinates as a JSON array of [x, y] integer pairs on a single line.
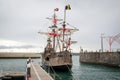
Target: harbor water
[[79, 71]]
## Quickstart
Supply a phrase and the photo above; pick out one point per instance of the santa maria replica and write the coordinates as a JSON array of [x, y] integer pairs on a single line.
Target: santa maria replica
[[57, 53]]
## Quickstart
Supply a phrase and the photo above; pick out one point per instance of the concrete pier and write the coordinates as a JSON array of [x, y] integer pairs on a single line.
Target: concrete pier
[[19, 55], [37, 73], [12, 76]]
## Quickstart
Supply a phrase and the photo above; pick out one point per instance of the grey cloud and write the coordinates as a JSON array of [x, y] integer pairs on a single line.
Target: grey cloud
[[18, 47], [21, 19]]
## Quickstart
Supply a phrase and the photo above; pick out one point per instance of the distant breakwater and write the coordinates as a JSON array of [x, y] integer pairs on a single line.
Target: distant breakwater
[[106, 58], [4, 55]]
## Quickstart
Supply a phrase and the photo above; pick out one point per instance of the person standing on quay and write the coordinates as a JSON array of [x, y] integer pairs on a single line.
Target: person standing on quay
[[28, 68]]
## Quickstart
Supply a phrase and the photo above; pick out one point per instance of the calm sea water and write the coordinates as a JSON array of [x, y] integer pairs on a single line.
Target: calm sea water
[[79, 71]]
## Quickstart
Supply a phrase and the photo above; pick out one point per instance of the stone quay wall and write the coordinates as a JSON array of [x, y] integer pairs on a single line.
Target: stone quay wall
[[106, 58]]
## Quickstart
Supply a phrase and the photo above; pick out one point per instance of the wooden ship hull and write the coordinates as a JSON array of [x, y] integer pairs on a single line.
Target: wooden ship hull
[[60, 61]]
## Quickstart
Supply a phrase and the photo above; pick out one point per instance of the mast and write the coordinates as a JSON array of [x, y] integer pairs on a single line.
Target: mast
[[63, 35], [67, 7], [54, 25]]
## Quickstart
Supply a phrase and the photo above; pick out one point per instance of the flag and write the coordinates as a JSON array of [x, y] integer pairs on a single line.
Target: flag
[[67, 7], [56, 9]]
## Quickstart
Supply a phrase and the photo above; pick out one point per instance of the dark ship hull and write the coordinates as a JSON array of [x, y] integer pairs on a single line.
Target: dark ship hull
[[60, 61], [63, 68]]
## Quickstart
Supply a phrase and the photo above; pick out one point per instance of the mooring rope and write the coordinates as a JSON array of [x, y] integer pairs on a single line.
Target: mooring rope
[[70, 71], [55, 72]]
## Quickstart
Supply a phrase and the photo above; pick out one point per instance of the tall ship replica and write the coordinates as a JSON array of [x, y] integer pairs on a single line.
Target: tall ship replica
[[57, 53]]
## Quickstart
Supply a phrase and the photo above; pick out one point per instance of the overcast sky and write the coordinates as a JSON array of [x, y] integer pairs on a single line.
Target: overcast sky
[[20, 21]]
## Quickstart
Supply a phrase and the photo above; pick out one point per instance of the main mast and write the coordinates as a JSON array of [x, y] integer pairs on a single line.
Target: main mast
[[54, 26], [67, 7]]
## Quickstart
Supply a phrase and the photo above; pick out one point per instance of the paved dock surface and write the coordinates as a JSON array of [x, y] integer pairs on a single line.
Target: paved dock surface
[[37, 73]]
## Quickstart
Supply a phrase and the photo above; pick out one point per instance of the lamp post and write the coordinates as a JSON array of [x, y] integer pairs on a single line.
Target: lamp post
[[102, 42]]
